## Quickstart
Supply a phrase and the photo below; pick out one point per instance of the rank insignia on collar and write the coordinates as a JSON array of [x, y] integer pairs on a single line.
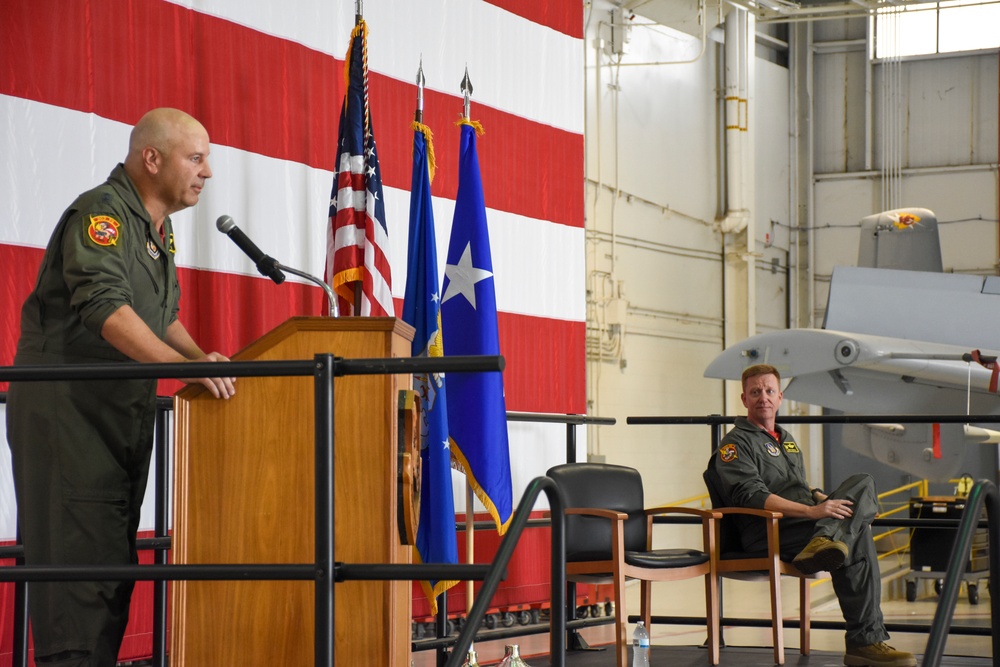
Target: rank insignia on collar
[[103, 230], [728, 453], [791, 447], [170, 244], [772, 449], [152, 249]]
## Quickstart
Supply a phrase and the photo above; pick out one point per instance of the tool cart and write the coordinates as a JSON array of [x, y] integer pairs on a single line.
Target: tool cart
[[930, 547]]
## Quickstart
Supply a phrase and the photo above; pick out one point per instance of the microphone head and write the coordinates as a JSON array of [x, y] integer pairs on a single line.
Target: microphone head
[[224, 224]]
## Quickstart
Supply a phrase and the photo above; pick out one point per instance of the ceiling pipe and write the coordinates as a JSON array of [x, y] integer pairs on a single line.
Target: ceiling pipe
[[737, 216]]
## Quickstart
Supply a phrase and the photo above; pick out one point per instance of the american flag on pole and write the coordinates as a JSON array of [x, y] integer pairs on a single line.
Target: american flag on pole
[[357, 248]]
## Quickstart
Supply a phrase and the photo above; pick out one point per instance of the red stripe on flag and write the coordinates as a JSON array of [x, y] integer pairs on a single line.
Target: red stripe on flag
[[268, 95], [545, 357], [14, 289], [545, 364], [566, 16], [226, 312]]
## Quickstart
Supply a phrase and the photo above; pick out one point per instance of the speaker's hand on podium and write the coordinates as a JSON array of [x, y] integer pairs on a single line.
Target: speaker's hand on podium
[[221, 387]]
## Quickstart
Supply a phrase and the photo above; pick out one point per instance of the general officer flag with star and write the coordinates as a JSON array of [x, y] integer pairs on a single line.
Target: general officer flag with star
[[477, 412], [436, 533]]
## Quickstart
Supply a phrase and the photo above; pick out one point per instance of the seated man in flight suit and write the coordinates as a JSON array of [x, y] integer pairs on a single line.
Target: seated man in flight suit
[[761, 467]]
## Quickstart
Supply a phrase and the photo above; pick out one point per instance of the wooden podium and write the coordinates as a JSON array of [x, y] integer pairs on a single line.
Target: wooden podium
[[245, 494]]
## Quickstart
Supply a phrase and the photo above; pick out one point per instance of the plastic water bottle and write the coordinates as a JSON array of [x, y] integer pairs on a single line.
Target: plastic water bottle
[[640, 646]]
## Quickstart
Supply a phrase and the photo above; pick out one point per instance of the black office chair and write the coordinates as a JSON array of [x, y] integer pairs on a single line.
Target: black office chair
[[609, 540], [768, 565]]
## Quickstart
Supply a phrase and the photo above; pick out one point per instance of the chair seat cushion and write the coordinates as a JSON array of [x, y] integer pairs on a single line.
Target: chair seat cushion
[[664, 558]]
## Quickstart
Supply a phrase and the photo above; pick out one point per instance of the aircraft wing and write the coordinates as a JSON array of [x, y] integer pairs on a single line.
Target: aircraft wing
[[863, 373]]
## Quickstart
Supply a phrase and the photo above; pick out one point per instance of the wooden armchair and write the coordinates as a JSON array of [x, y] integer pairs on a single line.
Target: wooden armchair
[[767, 566], [609, 540]]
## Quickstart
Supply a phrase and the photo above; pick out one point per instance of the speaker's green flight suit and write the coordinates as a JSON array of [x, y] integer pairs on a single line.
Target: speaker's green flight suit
[[753, 465], [81, 449]]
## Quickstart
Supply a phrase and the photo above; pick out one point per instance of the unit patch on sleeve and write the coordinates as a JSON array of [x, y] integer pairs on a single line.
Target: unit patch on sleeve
[[103, 230], [791, 447], [727, 453]]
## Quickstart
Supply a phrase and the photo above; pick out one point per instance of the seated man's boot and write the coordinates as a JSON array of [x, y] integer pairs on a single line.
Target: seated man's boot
[[821, 554], [878, 655]]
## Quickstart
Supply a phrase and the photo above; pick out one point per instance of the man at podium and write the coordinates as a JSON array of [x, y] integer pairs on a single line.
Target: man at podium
[[106, 291]]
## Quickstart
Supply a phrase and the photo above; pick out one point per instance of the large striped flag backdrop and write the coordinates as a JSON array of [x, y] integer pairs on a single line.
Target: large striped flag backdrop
[[266, 79]]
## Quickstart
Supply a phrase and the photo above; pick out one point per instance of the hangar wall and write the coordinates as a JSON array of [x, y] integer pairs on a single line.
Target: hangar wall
[[660, 285], [660, 272]]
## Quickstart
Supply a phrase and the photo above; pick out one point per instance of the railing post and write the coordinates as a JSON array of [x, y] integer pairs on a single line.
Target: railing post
[[573, 639], [325, 566], [716, 438], [716, 431], [570, 443], [160, 524], [441, 621], [20, 654], [557, 617]]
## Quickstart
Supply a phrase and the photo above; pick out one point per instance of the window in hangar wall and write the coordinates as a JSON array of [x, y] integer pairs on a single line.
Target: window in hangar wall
[[929, 28]]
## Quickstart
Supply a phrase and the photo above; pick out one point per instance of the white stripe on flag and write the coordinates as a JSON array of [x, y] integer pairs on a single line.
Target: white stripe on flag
[[287, 221]]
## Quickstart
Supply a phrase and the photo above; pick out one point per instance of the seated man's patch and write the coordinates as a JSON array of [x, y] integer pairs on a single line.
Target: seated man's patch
[[728, 453]]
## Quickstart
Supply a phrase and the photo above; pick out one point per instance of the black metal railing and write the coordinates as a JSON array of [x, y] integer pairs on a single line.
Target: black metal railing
[[324, 571], [161, 542]]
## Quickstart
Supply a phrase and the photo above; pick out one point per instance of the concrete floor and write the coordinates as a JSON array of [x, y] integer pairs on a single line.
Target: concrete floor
[[749, 600]]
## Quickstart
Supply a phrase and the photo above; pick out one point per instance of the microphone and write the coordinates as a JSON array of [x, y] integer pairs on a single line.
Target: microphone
[[267, 266]]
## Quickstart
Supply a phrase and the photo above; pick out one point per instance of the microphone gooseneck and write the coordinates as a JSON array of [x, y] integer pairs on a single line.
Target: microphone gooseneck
[[267, 266]]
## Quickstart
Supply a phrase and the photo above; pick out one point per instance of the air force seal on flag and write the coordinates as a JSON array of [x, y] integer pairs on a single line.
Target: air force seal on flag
[[103, 230]]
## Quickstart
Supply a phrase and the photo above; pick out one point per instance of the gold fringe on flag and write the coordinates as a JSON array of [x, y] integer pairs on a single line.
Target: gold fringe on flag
[[429, 140], [460, 463], [474, 124], [359, 29], [432, 592]]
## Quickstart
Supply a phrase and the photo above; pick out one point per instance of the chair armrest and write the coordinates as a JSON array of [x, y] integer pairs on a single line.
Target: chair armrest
[[667, 509], [595, 511], [770, 519], [708, 519], [764, 514]]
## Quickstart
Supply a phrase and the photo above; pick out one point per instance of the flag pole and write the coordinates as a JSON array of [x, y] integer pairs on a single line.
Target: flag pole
[[359, 18], [470, 516], [418, 115], [466, 93]]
